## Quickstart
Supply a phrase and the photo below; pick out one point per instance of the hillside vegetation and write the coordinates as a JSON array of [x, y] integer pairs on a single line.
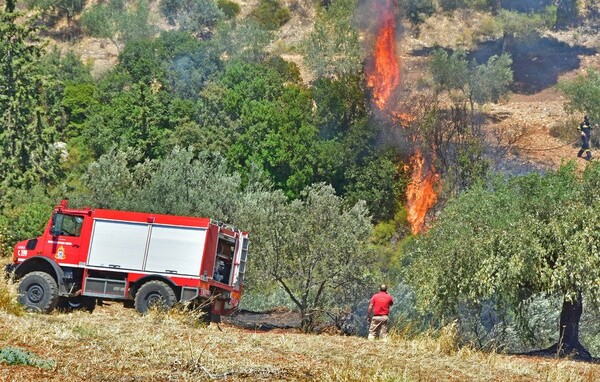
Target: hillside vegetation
[[419, 143]]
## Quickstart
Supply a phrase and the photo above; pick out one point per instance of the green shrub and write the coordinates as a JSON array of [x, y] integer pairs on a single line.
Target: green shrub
[[229, 8], [8, 296], [417, 10], [566, 130], [270, 14], [22, 222], [15, 356]]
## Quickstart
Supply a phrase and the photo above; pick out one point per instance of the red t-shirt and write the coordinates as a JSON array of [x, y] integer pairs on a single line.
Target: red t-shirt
[[381, 304]]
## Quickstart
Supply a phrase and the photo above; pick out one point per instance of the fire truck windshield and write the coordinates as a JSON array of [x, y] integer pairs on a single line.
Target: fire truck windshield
[[66, 225]]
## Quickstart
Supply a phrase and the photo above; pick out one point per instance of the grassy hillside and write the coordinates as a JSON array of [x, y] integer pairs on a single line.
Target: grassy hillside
[[117, 344]]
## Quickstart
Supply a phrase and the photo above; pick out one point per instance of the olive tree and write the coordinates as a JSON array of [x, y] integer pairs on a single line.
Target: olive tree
[[583, 96], [333, 47], [312, 247], [182, 183], [472, 82], [513, 239]]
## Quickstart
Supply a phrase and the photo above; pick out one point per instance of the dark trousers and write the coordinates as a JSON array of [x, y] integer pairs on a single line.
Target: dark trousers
[[585, 147]]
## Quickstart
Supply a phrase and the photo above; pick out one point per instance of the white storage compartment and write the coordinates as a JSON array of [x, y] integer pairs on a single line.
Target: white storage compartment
[[176, 250], [117, 244]]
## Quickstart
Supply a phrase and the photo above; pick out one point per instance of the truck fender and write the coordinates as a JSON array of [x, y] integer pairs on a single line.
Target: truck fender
[[44, 264]]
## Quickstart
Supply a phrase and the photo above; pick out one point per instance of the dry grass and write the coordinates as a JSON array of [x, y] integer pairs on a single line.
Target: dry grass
[[117, 344]]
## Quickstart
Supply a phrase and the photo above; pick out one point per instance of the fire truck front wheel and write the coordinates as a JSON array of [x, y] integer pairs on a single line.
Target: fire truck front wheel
[[154, 295], [38, 292]]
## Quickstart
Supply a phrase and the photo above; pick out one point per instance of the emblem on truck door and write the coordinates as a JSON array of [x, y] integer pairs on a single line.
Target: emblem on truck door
[[60, 254]]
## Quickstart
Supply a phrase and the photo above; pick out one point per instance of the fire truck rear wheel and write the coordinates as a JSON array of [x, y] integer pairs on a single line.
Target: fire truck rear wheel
[[154, 295], [38, 292]]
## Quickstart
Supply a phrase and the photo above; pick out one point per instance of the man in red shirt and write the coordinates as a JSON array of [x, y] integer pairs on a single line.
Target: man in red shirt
[[380, 308]]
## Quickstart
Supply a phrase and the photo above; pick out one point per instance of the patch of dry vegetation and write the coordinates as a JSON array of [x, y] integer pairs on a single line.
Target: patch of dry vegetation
[[117, 344]]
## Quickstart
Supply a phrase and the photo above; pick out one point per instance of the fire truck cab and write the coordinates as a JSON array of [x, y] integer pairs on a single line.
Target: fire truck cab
[[150, 260]]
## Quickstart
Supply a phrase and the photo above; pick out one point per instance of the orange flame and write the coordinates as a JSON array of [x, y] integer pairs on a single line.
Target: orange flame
[[385, 74], [383, 78], [420, 194]]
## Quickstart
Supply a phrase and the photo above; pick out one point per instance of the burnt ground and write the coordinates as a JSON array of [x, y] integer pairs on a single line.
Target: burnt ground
[[274, 319]]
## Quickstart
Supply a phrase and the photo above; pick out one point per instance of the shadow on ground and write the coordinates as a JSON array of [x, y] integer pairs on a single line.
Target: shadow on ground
[[264, 321], [537, 64]]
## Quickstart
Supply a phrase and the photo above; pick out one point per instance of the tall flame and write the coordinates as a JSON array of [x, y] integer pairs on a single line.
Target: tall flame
[[383, 77], [420, 193], [385, 74]]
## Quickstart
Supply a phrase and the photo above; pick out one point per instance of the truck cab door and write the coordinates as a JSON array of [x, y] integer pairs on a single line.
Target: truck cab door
[[64, 238]]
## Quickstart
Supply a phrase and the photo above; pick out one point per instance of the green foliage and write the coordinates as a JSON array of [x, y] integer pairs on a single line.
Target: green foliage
[[196, 16], [139, 58], [22, 222], [187, 184], [450, 72], [270, 14], [68, 8], [9, 295], [245, 41], [378, 183], [478, 83], [524, 26], [510, 240], [340, 102], [78, 100], [115, 21], [265, 297], [490, 81], [583, 96], [192, 65], [64, 69], [16, 356], [333, 48], [266, 119], [102, 20], [454, 133], [130, 114], [112, 181], [66, 66], [312, 247], [417, 10], [229, 8], [27, 153], [489, 5], [23, 215], [183, 183], [135, 24]]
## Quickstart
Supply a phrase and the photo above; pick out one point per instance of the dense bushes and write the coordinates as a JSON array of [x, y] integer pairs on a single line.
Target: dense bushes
[[270, 14]]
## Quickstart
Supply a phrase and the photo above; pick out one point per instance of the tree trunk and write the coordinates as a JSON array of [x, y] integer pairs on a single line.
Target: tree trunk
[[568, 344], [307, 323]]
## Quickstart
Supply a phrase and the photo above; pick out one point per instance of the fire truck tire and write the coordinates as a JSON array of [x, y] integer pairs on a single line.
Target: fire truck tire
[[69, 304], [154, 294], [38, 292]]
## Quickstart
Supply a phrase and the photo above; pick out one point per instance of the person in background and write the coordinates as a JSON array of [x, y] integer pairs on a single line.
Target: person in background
[[585, 128], [378, 313]]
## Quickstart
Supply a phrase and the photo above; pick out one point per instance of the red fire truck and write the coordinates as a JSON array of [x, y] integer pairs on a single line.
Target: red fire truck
[[150, 260]]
